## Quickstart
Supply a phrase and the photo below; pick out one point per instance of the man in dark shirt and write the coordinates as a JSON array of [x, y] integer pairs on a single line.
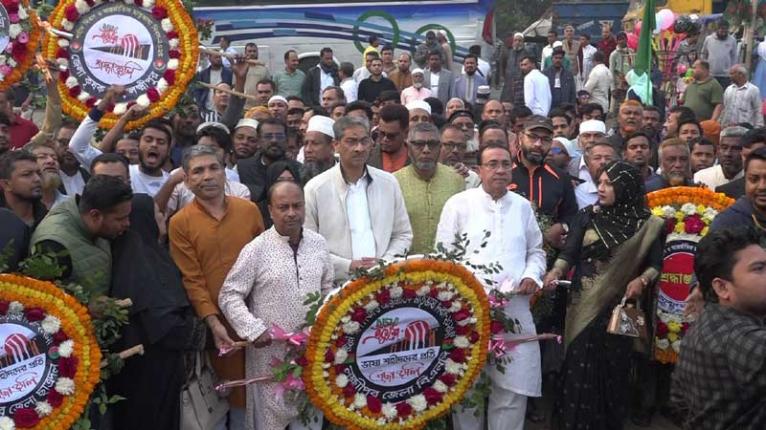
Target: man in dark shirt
[[370, 88], [750, 209], [754, 139], [720, 376]]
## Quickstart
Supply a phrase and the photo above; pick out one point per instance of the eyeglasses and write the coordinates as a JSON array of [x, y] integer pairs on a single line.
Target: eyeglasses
[[433, 145], [389, 136], [497, 165], [536, 137]]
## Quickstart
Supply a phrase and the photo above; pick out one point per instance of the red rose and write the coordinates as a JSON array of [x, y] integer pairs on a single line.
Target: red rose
[[432, 396], [159, 12], [62, 53], [349, 391], [71, 13], [662, 329], [670, 225], [174, 53], [374, 404], [4, 304], [447, 304], [496, 327], [35, 314], [12, 7], [339, 368], [153, 94], [433, 293], [25, 418], [463, 330], [172, 34], [74, 91], [383, 297], [67, 366], [63, 75], [55, 398], [19, 52], [59, 337], [448, 379], [693, 224], [339, 342], [358, 315], [92, 3], [329, 357], [461, 315], [403, 409], [457, 355], [170, 76], [684, 327], [91, 102], [473, 337], [302, 361], [139, 3], [409, 293]]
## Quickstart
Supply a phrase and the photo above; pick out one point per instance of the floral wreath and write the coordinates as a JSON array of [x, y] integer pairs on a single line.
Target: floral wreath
[[688, 213], [67, 332], [181, 32], [447, 286], [24, 36]]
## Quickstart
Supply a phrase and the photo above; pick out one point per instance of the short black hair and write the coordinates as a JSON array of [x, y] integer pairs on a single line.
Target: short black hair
[[162, 126], [756, 135], [588, 108], [433, 52], [347, 68], [554, 32], [5, 120], [220, 137], [685, 121], [359, 105], [325, 50], [481, 150], [9, 159], [398, 113], [529, 58], [287, 53], [758, 154], [469, 55], [599, 56], [491, 124], [389, 95], [653, 108], [103, 193], [387, 47], [296, 111], [558, 112], [109, 157], [717, 256], [475, 50], [638, 133], [267, 82], [585, 35], [373, 38], [519, 112], [700, 141], [437, 107], [271, 121], [291, 98]]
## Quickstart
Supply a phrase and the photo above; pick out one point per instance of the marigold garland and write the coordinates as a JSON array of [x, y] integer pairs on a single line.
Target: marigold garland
[[24, 34], [184, 51], [46, 299], [407, 278]]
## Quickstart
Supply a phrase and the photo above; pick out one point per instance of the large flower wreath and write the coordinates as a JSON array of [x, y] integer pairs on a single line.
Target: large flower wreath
[[44, 332], [688, 212], [177, 26], [342, 371], [23, 38]]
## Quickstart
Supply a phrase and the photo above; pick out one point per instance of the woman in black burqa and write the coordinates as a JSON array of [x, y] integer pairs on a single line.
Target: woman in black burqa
[[161, 319]]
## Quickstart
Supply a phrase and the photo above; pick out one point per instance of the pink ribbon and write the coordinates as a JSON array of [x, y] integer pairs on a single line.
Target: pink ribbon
[[291, 383], [497, 302], [499, 345], [298, 338], [223, 386]]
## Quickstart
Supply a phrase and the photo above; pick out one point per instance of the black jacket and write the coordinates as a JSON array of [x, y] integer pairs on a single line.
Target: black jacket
[[740, 213], [548, 189], [312, 83], [734, 189], [567, 93], [252, 173]]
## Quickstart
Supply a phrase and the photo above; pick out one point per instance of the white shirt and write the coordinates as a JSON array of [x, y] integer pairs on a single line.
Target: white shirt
[[713, 177], [587, 192], [515, 242], [72, 184], [742, 104], [598, 84], [215, 78], [362, 237], [435, 82], [537, 92], [349, 87], [146, 184], [547, 52], [325, 80], [472, 180], [587, 59]]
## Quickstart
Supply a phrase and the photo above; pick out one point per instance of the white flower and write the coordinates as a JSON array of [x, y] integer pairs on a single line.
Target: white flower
[[452, 367], [6, 423], [120, 108], [341, 381], [15, 308], [173, 64], [173, 43], [668, 211], [389, 411], [444, 296], [345, 319], [62, 62], [340, 356], [371, 306], [71, 82], [456, 306], [143, 100], [461, 342], [418, 403], [12, 62], [66, 348], [65, 386], [63, 43], [148, 3], [689, 208], [396, 292], [22, 13], [676, 346], [663, 343], [167, 26], [83, 96], [67, 24], [81, 6], [424, 290], [440, 386], [51, 324], [3, 59], [360, 400], [14, 30], [43, 408], [2, 77], [351, 327], [162, 85]]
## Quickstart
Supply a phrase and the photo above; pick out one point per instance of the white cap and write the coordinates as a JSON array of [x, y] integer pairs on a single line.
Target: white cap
[[593, 126], [322, 124], [483, 89], [557, 43], [247, 122], [277, 99], [516, 35], [416, 70], [419, 104], [213, 124], [569, 146]]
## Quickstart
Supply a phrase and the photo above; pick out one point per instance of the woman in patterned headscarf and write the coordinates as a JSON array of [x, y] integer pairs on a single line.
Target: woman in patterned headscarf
[[615, 247]]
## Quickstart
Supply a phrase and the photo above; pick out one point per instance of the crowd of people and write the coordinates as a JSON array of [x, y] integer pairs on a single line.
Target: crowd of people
[[221, 217]]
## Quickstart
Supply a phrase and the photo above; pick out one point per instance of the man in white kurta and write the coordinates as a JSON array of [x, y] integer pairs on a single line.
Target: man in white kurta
[[537, 89], [268, 285], [515, 242]]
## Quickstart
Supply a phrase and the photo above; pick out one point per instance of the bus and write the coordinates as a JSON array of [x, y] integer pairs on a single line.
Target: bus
[[345, 26]]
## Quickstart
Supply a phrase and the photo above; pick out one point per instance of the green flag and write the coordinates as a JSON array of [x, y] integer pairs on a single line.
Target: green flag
[[644, 55]]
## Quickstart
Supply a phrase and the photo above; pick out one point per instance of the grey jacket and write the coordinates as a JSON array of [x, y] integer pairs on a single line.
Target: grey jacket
[[446, 85]]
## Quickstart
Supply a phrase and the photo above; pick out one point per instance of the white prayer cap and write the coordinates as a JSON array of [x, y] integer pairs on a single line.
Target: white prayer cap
[[416, 71], [569, 146], [213, 124], [277, 99], [593, 126], [557, 43], [322, 124], [419, 104], [517, 35], [247, 122]]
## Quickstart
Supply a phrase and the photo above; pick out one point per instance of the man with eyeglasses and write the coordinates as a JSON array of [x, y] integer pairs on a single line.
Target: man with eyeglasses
[[547, 188], [515, 242], [390, 153], [426, 185], [358, 209], [453, 147], [272, 138]]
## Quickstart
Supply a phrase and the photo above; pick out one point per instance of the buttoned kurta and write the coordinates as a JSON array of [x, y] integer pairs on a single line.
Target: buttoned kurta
[[205, 248], [268, 285], [425, 199], [515, 242]]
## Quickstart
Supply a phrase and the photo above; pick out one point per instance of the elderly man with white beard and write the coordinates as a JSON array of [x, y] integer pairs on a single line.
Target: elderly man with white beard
[[318, 151], [48, 162], [417, 91]]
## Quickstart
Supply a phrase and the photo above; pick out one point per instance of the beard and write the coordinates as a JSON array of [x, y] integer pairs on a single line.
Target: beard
[[417, 85], [675, 179], [533, 157], [275, 152], [51, 181]]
